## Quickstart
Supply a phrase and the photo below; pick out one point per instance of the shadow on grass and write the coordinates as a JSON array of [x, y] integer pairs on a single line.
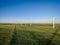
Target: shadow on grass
[[23, 37], [53, 36]]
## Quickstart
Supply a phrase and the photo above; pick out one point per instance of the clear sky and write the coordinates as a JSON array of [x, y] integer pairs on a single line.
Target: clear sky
[[40, 11]]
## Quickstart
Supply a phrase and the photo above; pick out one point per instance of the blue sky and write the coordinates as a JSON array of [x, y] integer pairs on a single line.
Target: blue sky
[[32, 11]]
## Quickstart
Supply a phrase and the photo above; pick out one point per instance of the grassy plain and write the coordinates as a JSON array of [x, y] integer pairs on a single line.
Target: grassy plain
[[26, 34]]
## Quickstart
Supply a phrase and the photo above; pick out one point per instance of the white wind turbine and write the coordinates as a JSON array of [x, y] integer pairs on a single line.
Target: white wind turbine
[[53, 22]]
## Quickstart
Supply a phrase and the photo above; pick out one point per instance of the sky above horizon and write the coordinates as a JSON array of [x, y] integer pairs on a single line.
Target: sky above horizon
[[32, 11]]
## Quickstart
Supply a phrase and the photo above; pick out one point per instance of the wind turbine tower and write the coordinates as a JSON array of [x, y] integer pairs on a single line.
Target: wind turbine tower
[[53, 22]]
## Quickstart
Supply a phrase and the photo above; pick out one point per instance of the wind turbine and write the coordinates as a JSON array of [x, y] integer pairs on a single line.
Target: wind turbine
[[53, 22]]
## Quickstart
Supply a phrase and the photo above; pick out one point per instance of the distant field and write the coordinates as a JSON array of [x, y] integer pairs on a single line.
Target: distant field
[[26, 34]]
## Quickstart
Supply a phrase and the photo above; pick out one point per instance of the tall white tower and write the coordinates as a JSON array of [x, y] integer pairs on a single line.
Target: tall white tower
[[53, 22]]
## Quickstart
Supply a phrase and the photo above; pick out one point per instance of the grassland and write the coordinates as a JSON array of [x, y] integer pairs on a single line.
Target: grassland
[[25, 34]]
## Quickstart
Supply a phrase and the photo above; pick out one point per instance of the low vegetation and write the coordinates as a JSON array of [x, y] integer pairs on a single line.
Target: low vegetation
[[25, 34]]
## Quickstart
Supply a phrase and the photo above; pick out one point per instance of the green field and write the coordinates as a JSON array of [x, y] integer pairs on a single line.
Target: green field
[[26, 34]]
